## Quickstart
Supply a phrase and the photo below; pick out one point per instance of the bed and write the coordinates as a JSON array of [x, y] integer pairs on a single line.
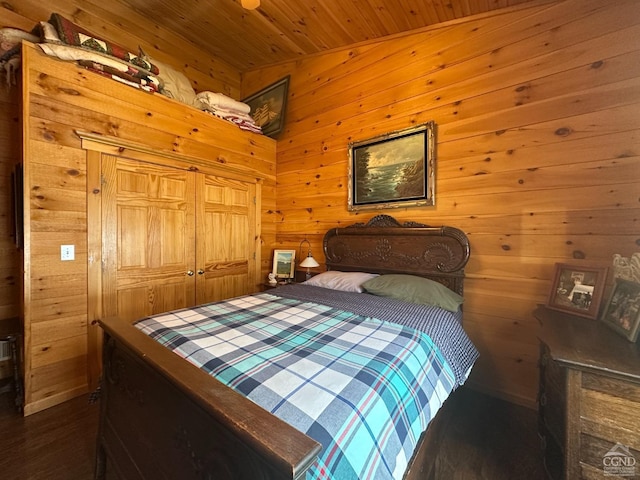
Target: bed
[[165, 417]]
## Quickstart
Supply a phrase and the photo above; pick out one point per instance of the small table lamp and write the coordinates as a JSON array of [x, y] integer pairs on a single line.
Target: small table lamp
[[308, 262]]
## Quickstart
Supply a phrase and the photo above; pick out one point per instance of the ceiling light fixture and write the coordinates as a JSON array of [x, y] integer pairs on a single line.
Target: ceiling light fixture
[[250, 4]]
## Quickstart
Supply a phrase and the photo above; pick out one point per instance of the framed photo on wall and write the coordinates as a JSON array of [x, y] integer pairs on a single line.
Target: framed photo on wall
[[622, 312], [269, 106], [577, 289], [284, 264], [393, 170]]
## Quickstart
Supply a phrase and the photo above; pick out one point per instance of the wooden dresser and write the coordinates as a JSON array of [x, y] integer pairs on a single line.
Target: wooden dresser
[[589, 398]]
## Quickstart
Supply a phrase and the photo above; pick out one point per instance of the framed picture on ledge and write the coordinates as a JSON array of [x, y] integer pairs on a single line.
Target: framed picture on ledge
[[269, 107], [577, 289], [622, 312]]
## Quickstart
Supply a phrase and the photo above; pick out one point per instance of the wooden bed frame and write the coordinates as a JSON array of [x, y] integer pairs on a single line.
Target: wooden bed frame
[[163, 418]]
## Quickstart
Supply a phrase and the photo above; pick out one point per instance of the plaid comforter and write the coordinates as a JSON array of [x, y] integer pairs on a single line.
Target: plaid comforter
[[363, 388]]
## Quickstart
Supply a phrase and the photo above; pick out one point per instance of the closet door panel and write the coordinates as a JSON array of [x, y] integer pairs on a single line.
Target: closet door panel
[[226, 237], [148, 238]]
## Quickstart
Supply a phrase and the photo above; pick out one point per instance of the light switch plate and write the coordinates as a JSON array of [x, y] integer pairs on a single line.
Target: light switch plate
[[67, 252]]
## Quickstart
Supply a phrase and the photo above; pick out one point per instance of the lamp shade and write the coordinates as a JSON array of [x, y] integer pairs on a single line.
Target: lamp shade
[[309, 262]]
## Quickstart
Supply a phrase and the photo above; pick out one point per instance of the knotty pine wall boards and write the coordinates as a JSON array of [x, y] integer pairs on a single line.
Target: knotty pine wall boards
[[538, 137]]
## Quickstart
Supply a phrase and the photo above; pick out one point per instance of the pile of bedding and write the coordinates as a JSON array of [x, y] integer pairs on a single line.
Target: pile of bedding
[[10, 43], [228, 109], [65, 40]]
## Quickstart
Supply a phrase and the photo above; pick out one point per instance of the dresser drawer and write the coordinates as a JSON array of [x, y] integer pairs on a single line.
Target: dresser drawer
[[609, 415]]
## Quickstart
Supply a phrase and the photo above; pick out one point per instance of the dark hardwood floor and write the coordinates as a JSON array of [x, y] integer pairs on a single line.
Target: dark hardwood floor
[[489, 439]]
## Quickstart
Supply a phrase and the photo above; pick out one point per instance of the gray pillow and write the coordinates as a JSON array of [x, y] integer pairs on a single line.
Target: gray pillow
[[410, 288]]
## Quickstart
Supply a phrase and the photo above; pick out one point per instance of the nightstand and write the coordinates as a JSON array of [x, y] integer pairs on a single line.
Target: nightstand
[[268, 286], [589, 397], [11, 345]]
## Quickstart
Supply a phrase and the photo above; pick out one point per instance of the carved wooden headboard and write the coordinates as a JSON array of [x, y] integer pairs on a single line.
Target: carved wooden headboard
[[383, 245]]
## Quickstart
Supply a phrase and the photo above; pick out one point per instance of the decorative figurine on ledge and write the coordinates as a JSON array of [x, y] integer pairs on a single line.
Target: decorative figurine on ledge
[[272, 279]]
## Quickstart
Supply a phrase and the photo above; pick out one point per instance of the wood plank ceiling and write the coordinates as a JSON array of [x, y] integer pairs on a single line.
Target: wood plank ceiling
[[282, 30]]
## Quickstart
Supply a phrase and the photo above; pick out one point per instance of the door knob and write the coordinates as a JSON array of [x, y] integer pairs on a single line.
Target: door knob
[[190, 273], [200, 272]]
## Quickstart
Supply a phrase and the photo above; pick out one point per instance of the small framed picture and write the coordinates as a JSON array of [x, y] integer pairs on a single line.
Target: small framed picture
[[284, 264], [577, 289], [622, 312], [269, 107]]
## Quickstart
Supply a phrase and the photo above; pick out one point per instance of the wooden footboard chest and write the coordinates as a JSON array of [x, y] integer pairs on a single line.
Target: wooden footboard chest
[[163, 418]]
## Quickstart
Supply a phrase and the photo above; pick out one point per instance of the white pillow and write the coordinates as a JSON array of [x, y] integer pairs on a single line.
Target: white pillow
[[344, 281], [175, 84]]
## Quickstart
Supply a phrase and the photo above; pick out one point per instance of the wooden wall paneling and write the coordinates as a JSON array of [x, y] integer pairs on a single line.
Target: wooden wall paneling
[[405, 49], [94, 267], [63, 349], [190, 135], [536, 158], [56, 182], [596, 197], [588, 148], [67, 376], [484, 181], [505, 351], [615, 95], [591, 222], [447, 81], [27, 285], [15, 19]]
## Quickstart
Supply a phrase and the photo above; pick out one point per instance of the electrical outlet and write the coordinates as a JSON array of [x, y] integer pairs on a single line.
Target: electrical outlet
[[67, 252]]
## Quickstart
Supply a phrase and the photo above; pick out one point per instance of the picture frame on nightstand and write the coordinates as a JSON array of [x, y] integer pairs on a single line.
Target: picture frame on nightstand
[[577, 289], [284, 264], [622, 312]]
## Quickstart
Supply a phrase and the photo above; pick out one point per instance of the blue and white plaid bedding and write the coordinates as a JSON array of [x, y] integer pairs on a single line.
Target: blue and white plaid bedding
[[363, 388]]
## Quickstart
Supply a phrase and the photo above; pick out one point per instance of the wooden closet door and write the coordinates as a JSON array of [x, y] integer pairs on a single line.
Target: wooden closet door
[[148, 238], [226, 237]]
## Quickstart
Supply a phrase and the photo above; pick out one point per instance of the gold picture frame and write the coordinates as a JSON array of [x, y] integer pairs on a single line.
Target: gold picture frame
[[393, 170]]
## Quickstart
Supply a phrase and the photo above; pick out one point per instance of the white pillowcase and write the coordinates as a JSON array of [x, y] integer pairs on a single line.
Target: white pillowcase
[[175, 84], [343, 281]]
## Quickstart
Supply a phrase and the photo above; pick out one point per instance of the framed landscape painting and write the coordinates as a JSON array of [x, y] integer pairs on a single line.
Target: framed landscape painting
[[284, 264], [393, 170]]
